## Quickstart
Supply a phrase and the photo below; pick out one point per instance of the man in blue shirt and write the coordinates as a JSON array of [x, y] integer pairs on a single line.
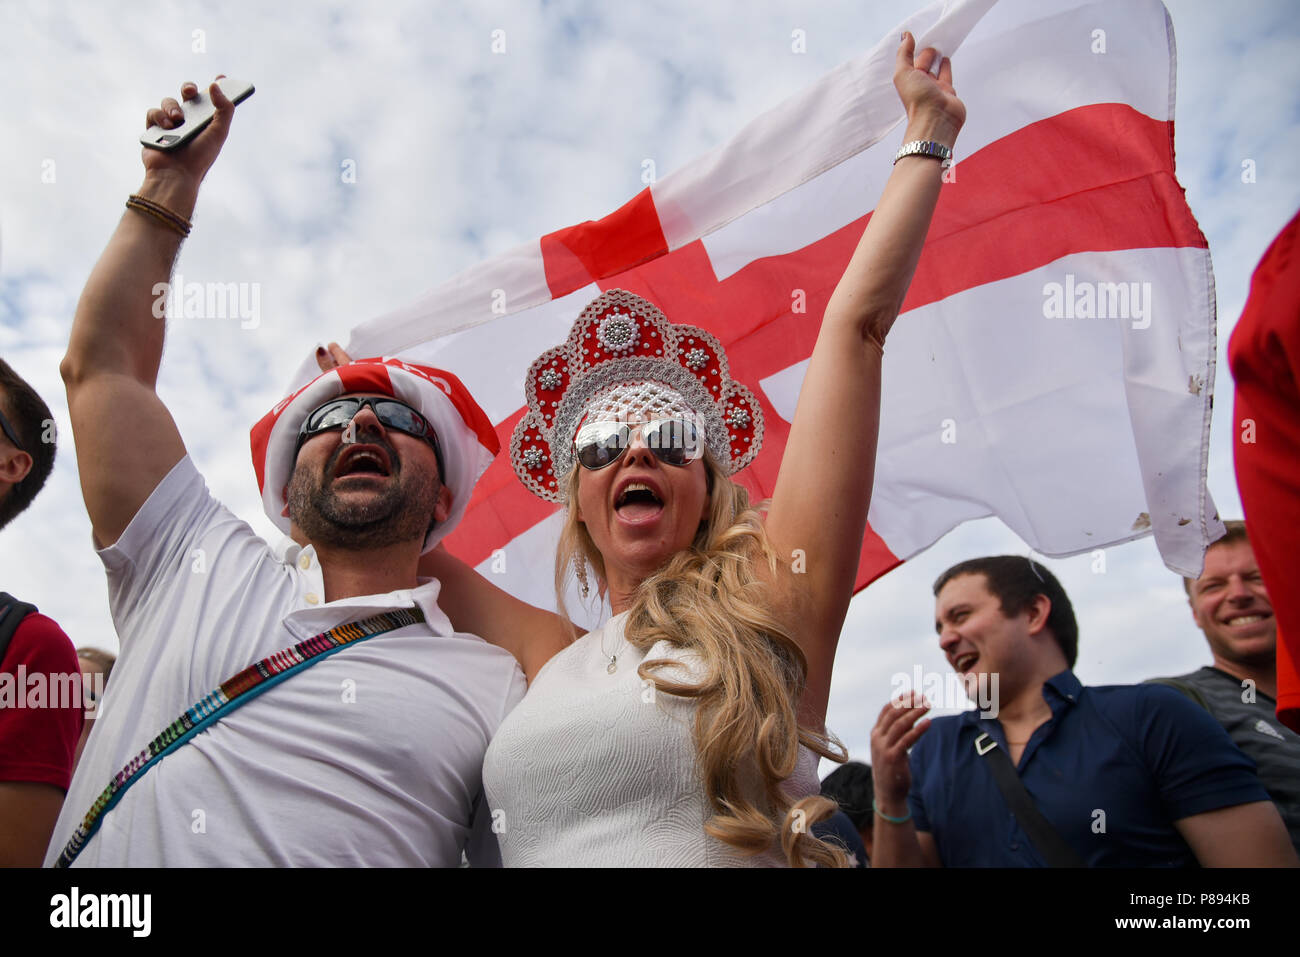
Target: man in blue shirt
[[1125, 775]]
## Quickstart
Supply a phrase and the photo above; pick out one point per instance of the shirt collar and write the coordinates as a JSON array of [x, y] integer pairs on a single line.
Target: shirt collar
[[1065, 687], [1060, 692], [311, 614]]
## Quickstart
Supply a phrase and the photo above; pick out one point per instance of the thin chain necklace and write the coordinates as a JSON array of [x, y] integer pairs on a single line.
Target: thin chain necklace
[[613, 659]]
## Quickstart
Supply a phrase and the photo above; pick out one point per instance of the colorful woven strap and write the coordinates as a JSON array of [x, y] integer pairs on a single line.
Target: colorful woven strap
[[240, 689]]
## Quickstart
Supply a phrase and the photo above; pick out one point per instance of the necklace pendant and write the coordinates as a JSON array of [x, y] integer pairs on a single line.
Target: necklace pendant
[[612, 666]]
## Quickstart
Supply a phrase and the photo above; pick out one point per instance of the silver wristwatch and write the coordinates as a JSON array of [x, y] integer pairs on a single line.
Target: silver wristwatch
[[926, 148]]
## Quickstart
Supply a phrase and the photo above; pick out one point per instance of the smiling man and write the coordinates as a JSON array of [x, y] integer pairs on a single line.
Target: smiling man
[[1231, 607], [367, 746], [1064, 775]]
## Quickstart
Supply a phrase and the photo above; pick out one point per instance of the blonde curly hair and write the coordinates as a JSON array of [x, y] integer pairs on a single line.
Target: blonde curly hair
[[707, 598]]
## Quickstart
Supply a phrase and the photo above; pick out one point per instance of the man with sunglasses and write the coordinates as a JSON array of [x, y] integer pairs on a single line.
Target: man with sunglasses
[[327, 515], [37, 744], [369, 754]]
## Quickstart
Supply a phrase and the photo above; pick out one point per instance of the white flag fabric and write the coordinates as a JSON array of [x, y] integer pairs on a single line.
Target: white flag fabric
[[1054, 361]]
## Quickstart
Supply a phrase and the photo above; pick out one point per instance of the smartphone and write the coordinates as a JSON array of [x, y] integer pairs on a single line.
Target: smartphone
[[198, 114]]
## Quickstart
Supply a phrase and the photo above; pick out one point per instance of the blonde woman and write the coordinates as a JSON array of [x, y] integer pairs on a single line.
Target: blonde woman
[[685, 730]]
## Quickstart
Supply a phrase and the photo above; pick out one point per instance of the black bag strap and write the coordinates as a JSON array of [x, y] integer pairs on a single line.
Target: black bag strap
[[1044, 837], [12, 613]]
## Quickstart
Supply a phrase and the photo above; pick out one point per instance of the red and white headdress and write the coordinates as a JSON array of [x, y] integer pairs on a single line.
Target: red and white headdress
[[465, 434], [623, 357]]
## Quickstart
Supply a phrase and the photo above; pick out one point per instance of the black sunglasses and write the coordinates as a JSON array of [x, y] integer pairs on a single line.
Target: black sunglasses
[[10, 434], [391, 413], [673, 442]]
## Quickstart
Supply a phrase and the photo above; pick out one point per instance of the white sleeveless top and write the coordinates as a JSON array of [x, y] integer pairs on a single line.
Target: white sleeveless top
[[594, 769]]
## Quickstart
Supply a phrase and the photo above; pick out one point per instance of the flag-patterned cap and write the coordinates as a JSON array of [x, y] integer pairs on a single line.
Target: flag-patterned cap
[[622, 340], [465, 434]]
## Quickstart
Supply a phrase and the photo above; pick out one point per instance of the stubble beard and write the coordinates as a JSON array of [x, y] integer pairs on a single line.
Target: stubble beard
[[401, 512], [1265, 658]]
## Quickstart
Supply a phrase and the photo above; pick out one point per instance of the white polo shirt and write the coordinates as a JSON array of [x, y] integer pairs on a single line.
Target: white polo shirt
[[371, 757]]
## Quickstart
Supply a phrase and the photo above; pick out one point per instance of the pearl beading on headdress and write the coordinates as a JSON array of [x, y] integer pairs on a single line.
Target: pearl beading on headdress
[[638, 401], [624, 358]]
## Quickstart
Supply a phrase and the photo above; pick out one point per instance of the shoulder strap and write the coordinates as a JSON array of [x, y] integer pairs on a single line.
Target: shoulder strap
[[1190, 691], [1044, 837], [231, 694], [12, 613]]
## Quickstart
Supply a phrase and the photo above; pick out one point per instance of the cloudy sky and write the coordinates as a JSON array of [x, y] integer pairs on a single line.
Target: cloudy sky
[[462, 153]]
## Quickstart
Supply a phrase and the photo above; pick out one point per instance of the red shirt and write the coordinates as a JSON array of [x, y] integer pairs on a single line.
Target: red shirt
[[1264, 354], [38, 743]]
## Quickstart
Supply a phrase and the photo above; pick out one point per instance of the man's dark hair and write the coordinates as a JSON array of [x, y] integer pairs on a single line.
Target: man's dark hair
[[1235, 532], [30, 418], [1017, 581], [850, 786]]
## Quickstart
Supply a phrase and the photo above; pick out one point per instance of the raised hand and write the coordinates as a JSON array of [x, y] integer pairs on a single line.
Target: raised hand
[[195, 158], [331, 358], [930, 101], [897, 729]]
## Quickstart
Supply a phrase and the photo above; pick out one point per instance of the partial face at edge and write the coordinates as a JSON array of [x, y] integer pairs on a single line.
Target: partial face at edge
[[15, 462], [1231, 606]]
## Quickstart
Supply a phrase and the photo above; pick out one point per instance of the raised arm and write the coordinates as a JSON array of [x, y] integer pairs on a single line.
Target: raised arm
[[477, 606], [895, 841], [823, 490], [125, 437]]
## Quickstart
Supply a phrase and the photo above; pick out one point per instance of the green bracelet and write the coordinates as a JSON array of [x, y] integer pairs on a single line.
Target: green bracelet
[[891, 820]]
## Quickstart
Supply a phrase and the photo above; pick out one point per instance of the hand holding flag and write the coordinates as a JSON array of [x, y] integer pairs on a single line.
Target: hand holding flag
[[933, 110]]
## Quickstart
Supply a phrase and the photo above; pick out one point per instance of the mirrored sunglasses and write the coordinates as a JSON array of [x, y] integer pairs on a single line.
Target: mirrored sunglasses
[[675, 442], [391, 413]]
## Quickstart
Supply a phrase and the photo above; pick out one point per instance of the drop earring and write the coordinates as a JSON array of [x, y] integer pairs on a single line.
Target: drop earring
[[581, 572]]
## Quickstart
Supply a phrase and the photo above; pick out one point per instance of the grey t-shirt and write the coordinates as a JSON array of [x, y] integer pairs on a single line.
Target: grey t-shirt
[[1253, 727]]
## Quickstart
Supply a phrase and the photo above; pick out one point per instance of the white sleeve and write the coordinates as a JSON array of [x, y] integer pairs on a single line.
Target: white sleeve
[[184, 561], [155, 546]]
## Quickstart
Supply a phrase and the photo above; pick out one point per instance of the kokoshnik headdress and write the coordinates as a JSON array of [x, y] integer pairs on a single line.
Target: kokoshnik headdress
[[623, 357]]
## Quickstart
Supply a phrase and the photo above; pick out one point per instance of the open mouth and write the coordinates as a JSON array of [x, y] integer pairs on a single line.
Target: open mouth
[[637, 502], [966, 662], [367, 460]]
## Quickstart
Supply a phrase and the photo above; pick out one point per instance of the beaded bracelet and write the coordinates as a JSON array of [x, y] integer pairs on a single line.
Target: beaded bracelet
[[173, 221]]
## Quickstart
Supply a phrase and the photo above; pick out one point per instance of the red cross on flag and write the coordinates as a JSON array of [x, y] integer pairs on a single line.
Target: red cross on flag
[[1054, 360]]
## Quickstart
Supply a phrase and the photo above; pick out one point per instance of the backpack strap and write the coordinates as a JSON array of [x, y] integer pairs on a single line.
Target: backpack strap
[[12, 613], [1189, 690]]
